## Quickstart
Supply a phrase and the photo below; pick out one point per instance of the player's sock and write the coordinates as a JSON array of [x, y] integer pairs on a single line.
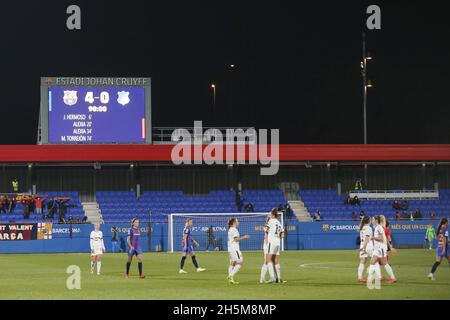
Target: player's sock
[[435, 265], [99, 266], [194, 261], [92, 265], [128, 267], [377, 270], [370, 276], [278, 270], [183, 259], [271, 271], [263, 272], [140, 268], [360, 270], [389, 271], [230, 268], [235, 270]]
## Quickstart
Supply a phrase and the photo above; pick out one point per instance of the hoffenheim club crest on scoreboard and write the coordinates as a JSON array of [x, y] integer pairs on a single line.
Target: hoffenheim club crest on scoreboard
[[70, 97], [123, 97]]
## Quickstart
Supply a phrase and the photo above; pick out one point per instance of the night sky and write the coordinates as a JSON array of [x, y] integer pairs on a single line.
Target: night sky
[[297, 64]]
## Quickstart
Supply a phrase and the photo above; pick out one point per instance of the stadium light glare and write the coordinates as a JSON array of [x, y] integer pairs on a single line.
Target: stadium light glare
[[369, 84], [213, 86]]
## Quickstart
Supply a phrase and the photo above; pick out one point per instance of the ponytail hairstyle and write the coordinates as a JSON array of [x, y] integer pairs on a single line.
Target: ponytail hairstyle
[[441, 223], [231, 222], [365, 220]]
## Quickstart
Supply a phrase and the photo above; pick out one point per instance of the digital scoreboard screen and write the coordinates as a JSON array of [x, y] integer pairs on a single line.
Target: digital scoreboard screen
[[96, 111]]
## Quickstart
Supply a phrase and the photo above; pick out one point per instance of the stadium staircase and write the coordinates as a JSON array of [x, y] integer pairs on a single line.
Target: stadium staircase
[[290, 192], [92, 212]]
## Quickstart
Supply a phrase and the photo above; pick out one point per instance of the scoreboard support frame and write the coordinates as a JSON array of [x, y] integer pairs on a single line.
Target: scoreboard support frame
[[107, 82]]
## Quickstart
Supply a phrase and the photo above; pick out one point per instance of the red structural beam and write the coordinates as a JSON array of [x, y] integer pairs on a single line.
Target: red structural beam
[[287, 152]]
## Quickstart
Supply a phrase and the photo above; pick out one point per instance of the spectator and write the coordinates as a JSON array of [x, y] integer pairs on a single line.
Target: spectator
[[62, 208], [354, 216], [361, 214], [418, 214], [405, 215], [356, 201], [239, 202], [433, 216], [411, 215], [348, 200], [404, 205], [249, 207], [114, 240], [2, 204], [85, 219], [26, 207], [10, 204], [70, 220], [288, 210], [39, 203], [358, 184], [15, 186], [398, 216], [316, 215], [51, 208], [77, 220], [210, 237], [395, 205], [280, 208]]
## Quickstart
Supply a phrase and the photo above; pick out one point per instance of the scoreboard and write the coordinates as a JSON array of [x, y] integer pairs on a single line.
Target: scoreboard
[[94, 110]]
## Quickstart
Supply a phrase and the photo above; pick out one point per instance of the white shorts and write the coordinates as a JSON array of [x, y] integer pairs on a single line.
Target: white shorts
[[97, 251], [366, 254], [274, 248], [236, 256], [380, 252]]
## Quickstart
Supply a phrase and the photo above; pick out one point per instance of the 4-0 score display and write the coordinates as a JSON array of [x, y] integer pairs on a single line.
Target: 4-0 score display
[[95, 110]]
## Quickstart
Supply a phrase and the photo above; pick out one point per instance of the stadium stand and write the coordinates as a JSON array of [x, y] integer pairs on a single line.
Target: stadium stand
[[74, 209], [124, 205], [332, 206]]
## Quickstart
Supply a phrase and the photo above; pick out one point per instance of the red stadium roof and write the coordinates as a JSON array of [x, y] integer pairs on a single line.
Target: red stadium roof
[[162, 153]]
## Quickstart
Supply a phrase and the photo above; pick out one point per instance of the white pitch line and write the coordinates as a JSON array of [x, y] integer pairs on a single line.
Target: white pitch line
[[311, 265]]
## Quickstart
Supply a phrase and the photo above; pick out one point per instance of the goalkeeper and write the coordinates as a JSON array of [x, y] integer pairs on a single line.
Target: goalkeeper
[[430, 235]]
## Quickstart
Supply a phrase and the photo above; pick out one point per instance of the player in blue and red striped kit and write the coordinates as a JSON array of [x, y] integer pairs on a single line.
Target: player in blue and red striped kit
[[134, 243], [442, 248], [188, 248]]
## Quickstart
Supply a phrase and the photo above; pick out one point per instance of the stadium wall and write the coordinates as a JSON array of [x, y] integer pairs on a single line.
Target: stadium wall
[[300, 236], [201, 179]]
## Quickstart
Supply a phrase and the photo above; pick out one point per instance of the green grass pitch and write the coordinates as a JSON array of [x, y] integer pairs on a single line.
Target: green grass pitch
[[310, 275]]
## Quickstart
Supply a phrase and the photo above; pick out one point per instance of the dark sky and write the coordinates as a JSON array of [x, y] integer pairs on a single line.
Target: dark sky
[[297, 64]]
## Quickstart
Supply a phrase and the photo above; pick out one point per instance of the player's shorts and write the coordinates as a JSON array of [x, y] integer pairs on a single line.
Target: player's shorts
[[236, 256], [188, 249], [274, 247], [134, 252], [380, 252], [440, 252], [367, 253], [266, 248], [96, 251]]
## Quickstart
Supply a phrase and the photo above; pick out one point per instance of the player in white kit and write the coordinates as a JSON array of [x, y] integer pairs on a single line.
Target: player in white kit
[[378, 255], [236, 257], [97, 248], [365, 247], [262, 279], [275, 232]]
